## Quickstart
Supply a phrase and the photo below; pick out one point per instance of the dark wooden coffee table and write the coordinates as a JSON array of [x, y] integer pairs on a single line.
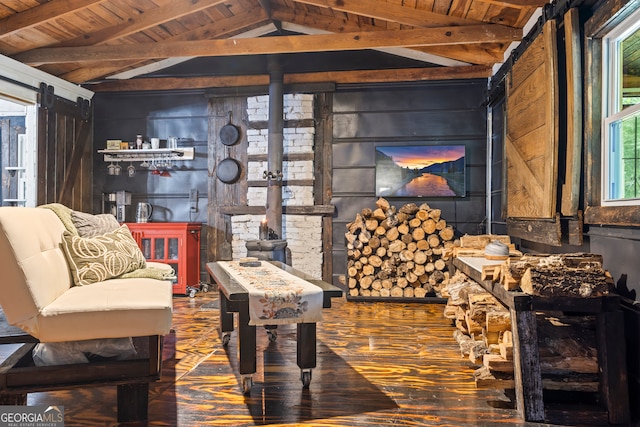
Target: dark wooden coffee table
[[234, 298]]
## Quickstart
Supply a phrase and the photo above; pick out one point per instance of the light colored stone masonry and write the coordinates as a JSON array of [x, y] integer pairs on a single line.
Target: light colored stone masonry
[[295, 107], [302, 233], [291, 196], [295, 140]]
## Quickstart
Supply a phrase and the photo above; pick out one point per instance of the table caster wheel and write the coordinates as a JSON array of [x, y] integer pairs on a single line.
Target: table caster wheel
[[226, 337], [272, 334], [247, 382], [305, 376]]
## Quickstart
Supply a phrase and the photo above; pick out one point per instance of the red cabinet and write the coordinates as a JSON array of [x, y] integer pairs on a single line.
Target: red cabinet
[[174, 243]]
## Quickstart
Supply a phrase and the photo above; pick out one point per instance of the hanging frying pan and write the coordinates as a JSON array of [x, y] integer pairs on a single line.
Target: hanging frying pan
[[228, 170], [229, 133]]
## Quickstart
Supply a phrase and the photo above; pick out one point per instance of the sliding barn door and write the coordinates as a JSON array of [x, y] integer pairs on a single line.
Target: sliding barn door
[[65, 158], [532, 130]]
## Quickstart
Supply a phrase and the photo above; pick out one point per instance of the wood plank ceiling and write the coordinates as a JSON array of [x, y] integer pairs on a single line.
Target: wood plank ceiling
[[91, 42]]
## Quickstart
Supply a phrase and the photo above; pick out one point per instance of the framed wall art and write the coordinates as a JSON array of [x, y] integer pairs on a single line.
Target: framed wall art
[[416, 171]]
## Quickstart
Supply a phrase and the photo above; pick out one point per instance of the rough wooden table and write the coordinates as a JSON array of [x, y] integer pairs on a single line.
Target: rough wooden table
[[527, 375]]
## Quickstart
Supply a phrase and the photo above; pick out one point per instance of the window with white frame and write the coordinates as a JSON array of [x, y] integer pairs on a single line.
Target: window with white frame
[[621, 114]]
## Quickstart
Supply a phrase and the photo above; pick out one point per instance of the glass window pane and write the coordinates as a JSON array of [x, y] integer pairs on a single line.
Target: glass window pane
[[624, 158], [630, 77]]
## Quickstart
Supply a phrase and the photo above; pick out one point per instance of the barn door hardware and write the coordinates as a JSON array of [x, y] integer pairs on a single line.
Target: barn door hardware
[[84, 107], [48, 98]]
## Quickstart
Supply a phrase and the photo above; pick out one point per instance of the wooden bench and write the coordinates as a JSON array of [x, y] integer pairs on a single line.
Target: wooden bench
[[234, 298]]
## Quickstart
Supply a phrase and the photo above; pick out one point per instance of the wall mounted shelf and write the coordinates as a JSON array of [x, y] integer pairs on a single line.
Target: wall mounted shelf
[[187, 153]]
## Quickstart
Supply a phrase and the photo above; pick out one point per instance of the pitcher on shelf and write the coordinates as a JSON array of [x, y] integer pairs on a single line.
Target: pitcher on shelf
[[143, 212]]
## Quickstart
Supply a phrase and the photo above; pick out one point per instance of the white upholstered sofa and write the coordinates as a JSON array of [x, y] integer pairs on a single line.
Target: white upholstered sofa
[[40, 295]]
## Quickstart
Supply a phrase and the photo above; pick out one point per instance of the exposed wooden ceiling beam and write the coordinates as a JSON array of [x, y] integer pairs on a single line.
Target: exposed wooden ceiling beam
[[519, 4], [450, 55], [388, 11], [219, 29], [273, 45], [142, 22], [397, 51], [38, 15], [340, 77]]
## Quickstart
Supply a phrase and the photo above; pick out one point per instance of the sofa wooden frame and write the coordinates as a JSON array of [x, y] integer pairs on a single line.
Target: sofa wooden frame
[[19, 375]]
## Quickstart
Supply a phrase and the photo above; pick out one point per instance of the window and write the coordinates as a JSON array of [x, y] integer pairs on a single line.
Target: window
[[18, 155], [621, 114]]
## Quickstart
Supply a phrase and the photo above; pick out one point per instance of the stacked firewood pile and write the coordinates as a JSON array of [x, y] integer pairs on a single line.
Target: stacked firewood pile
[[483, 324], [398, 252]]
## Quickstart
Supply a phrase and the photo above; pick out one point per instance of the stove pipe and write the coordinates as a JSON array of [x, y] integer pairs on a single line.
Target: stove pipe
[[275, 147]]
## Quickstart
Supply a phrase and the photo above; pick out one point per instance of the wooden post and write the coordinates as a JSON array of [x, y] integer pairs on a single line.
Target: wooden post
[[526, 361]]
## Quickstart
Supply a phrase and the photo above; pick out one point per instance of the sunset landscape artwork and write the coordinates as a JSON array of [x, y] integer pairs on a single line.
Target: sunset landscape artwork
[[420, 171]]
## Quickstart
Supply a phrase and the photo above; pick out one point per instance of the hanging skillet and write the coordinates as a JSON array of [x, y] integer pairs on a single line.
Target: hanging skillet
[[228, 170], [229, 133]]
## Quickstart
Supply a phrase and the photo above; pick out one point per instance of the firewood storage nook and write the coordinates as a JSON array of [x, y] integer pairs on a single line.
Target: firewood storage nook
[[544, 294], [398, 253], [541, 325]]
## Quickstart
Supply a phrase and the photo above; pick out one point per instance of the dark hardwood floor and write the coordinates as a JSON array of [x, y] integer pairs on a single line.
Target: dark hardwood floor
[[379, 364]]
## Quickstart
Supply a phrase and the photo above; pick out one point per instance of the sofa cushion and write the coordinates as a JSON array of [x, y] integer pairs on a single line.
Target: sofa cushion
[[94, 259], [111, 309], [89, 225]]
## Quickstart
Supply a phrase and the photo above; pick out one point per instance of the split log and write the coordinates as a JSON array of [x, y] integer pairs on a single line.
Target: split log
[[434, 240], [366, 282], [429, 226], [409, 209], [371, 224], [564, 281], [392, 234], [379, 214], [420, 292], [422, 215], [397, 292], [497, 363], [383, 204], [446, 233], [506, 345], [435, 214], [480, 241], [375, 261], [403, 228], [418, 234]]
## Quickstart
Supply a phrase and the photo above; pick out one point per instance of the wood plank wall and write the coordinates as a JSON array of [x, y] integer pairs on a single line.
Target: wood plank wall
[[433, 113]]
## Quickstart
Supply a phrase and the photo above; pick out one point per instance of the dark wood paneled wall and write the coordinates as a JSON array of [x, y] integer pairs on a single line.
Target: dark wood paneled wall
[[435, 113], [223, 111], [181, 114]]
